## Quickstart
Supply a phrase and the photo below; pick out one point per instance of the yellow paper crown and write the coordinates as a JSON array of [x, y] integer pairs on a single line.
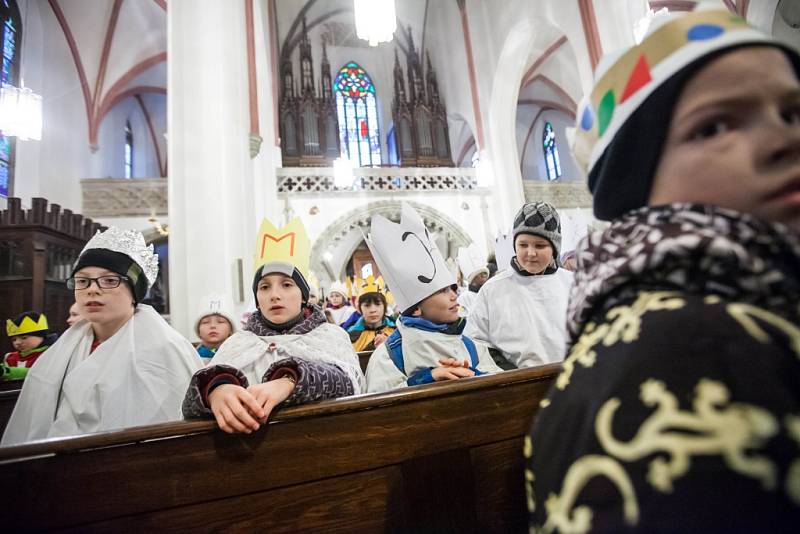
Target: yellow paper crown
[[369, 285], [289, 244], [26, 326]]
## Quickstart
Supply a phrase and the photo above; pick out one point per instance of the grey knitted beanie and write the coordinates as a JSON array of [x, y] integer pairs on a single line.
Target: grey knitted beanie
[[541, 219]]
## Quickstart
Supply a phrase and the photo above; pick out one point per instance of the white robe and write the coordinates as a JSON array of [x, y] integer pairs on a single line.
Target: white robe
[[342, 314], [136, 377], [251, 354], [421, 350], [524, 317], [466, 300]]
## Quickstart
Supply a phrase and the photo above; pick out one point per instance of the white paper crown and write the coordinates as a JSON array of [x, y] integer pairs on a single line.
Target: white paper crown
[[471, 261], [216, 305], [504, 250], [339, 287], [128, 242], [409, 260]]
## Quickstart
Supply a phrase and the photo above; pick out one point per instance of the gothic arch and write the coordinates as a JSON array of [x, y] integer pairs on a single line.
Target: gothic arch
[[359, 218]]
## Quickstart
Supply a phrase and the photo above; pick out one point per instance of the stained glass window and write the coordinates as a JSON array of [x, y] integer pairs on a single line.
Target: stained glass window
[[128, 150], [9, 18], [358, 116], [551, 160]]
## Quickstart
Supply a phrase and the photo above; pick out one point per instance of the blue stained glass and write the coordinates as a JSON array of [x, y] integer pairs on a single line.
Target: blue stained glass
[[6, 77], [358, 118], [551, 159]]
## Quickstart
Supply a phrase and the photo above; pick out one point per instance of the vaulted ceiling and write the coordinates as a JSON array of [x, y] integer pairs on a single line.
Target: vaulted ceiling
[[119, 48]]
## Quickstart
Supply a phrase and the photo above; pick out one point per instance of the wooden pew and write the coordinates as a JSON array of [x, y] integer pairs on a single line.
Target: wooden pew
[[437, 458], [11, 385], [8, 399]]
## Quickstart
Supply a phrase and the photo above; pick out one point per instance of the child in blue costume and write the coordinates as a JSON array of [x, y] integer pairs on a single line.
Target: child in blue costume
[[428, 345], [213, 326]]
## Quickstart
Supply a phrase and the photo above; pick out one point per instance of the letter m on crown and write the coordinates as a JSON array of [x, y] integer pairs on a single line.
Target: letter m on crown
[[274, 239]]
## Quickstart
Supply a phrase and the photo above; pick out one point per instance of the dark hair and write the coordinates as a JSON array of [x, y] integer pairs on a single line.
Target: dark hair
[[373, 297], [410, 311]]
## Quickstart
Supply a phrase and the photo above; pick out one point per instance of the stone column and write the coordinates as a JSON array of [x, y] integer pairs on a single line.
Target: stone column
[[214, 207]]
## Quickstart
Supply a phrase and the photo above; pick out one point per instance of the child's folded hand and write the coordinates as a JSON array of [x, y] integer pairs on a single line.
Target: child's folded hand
[[235, 409], [451, 372], [269, 394], [452, 362]]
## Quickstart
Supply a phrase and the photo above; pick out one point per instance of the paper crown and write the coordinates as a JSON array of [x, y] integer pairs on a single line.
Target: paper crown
[[625, 79], [216, 305], [409, 260], [287, 246], [471, 261], [504, 250], [131, 243], [369, 284], [341, 288], [26, 326]]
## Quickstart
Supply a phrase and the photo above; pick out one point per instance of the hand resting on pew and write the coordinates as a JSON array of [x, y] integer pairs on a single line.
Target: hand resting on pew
[[237, 409]]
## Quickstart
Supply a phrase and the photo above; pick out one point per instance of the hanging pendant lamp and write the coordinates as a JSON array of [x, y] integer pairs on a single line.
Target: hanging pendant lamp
[[375, 20], [20, 113]]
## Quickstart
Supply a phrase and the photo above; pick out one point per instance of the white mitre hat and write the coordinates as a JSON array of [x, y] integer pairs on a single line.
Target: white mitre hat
[[472, 262], [504, 250], [409, 260]]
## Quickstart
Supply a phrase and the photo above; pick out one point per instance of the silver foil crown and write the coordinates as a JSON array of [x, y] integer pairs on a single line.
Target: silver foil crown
[[131, 243]]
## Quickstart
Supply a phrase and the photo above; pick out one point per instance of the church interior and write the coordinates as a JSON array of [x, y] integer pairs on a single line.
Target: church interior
[[192, 121]]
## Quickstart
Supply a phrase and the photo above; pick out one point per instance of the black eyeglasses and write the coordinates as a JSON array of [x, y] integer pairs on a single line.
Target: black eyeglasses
[[103, 282]]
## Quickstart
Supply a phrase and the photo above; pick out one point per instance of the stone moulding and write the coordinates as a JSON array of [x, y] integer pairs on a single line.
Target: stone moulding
[[119, 197], [559, 194]]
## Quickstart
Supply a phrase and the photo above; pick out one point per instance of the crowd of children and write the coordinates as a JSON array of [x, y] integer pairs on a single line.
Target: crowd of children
[[680, 397]]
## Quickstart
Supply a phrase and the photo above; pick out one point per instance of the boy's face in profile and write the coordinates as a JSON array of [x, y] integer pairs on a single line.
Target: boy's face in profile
[[734, 138]]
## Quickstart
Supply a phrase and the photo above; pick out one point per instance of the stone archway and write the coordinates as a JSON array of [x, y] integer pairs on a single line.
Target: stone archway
[[346, 233]]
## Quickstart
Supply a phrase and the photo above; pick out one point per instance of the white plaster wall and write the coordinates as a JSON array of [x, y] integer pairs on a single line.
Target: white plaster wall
[[111, 140], [533, 166]]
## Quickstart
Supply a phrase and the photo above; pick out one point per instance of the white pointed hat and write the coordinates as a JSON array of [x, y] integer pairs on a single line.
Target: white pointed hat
[[472, 262], [409, 260], [504, 250]]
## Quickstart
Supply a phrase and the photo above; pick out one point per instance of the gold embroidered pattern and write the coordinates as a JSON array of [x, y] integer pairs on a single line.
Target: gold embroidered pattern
[[560, 513], [793, 476], [624, 324], [527, 450], [746, 315], [715, 427]]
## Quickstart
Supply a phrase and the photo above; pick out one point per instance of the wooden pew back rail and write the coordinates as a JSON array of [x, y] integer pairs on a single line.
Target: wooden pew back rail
[[442, 457]]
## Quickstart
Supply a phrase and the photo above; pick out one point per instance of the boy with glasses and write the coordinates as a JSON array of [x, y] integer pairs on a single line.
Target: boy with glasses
[[123, 366]]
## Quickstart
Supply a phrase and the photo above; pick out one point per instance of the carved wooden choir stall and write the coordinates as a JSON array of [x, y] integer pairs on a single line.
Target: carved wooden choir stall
[[37, 250], [308, 125], [419, 115]]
